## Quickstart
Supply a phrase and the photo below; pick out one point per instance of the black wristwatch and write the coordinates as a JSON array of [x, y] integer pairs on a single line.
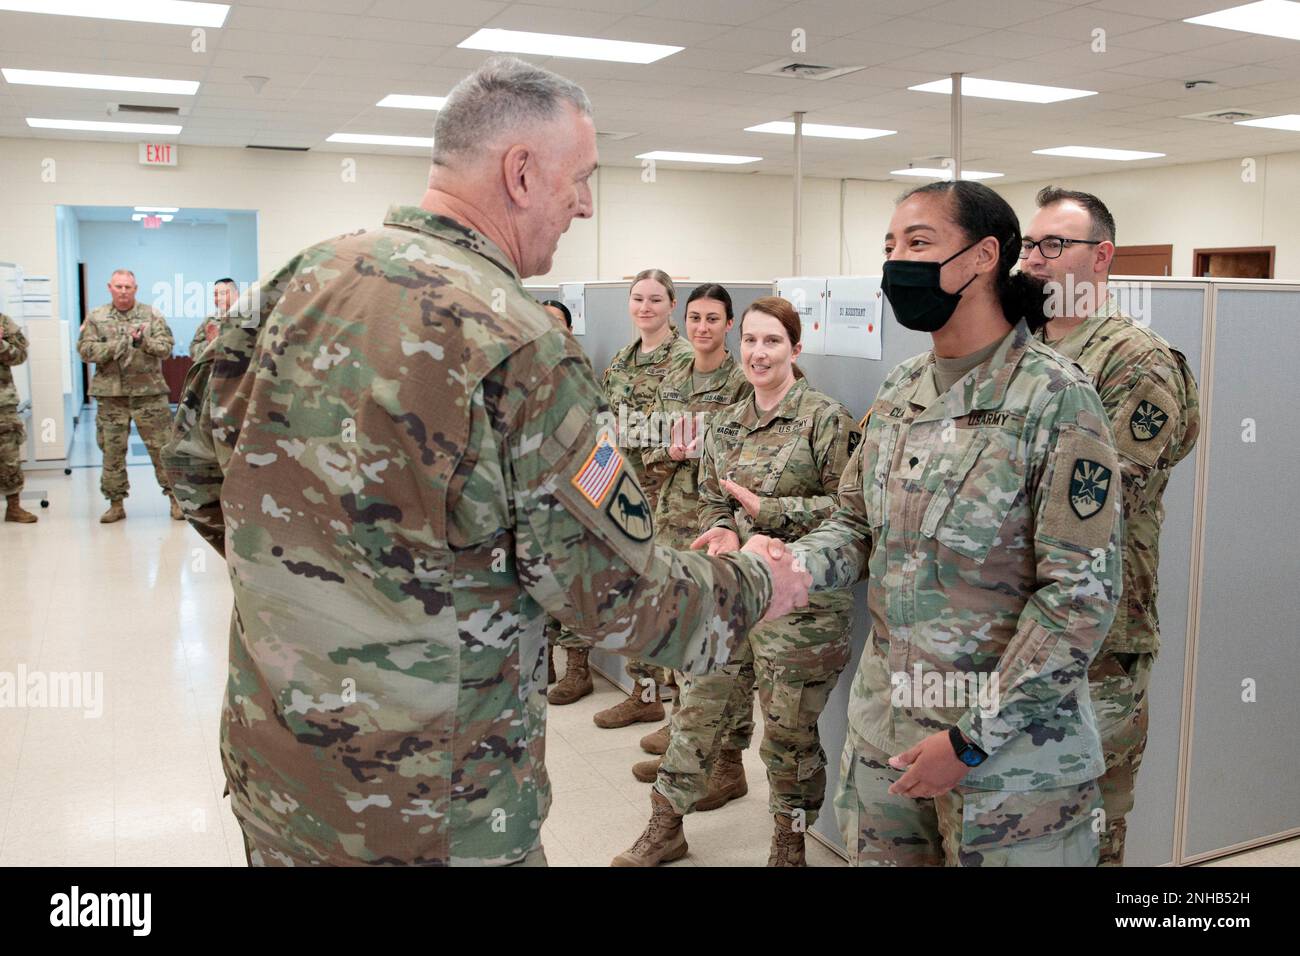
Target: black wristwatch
[[966, 751]]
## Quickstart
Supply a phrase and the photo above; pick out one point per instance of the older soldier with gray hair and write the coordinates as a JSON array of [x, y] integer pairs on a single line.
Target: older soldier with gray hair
[[406, 463]]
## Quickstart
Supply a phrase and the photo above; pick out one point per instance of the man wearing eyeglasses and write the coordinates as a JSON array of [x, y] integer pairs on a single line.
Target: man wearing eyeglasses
[[1151, 398]]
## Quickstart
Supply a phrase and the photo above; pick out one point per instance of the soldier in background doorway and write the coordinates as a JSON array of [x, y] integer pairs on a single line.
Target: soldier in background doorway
[[224, 294], [13, 351]]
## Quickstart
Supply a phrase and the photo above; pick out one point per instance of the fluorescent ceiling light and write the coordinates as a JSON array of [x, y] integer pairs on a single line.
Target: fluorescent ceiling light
[[376, 139], [404, 101], [821, 129], [575, 48], [99, 126], [669, 156], [178, 12], [165, 217], [1097, 152], [99, 81], [930, 173], [157, 209], [1289, 121], [1270, 18], [1004, 90]]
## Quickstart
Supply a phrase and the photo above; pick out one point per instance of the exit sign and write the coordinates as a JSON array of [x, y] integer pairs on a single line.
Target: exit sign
[[159, 154]]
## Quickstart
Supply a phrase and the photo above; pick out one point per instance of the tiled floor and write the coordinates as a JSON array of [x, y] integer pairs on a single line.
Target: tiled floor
[[146, 603]]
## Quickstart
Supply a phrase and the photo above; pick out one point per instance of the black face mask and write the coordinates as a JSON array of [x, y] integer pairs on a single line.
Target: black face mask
[[915, 294]]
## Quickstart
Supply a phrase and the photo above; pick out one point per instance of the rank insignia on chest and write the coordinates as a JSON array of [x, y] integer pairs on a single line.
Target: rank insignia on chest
[[598, 472], [1089, 486], [1146, 421], [629, 510]]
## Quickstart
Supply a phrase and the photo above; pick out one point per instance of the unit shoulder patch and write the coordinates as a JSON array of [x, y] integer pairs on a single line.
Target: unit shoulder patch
[[629, 510], [1079, 507], [1146, 422], [1089, 487]]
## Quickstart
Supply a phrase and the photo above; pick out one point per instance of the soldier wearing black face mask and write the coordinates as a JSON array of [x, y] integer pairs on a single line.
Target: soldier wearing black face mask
[[983, 508]]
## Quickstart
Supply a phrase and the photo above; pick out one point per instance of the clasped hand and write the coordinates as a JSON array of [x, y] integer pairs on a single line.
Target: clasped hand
[[790, 581]]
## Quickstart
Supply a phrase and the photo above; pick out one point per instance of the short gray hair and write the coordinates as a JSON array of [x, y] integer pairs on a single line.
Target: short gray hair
[[504, 93], [123, 272]]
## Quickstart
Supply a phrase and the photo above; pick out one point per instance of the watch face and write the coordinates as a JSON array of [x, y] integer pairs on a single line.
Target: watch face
[[972, 758]]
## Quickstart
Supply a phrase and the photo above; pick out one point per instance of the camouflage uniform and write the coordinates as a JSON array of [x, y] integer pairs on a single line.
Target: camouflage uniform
[[984, 523], [792, 459], [630, 384], [128, 384], [1152, 400], [716, 706], [13, 351], [201, 335], [403, 481]]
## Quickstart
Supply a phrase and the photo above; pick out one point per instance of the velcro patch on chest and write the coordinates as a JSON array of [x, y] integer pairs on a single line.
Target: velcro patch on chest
[[790, 428]]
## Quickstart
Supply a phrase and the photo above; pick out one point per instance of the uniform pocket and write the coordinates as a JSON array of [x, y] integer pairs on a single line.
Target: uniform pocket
[[1028, 827], [973, 498]]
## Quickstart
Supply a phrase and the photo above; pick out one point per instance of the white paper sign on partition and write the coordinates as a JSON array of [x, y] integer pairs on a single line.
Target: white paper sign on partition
[[573, 294], [854, 311], [808, 296]]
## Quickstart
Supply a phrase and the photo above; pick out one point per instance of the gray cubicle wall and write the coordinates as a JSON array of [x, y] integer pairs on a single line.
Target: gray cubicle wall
[[1243, 772], [609, 328]]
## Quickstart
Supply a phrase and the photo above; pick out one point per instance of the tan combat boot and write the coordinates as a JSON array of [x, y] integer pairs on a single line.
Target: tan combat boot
[[663, 841], [177, 514], [647, 770], [633, 710], [726, 781], [576, 683], [115, 512], [15, 512], [787, 844], [657, 742]]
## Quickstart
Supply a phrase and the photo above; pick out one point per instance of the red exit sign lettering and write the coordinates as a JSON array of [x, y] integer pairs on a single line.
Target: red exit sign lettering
[[159, 154]]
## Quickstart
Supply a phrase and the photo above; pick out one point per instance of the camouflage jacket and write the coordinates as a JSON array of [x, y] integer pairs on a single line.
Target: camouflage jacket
[[403, 479], [13, 351], [984, 522], [677, 512], [1153, 403], [123, 366], [793, 461], [201, 335], [630, 384]]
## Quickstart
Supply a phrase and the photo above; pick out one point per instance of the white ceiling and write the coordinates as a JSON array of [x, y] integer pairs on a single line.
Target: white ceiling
[[330, 61]]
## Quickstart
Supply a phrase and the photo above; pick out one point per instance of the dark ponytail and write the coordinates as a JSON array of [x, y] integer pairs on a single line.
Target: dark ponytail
[[978, 211]]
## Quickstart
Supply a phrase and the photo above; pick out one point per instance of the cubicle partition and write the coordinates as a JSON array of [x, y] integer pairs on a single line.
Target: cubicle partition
[[1222, 766]]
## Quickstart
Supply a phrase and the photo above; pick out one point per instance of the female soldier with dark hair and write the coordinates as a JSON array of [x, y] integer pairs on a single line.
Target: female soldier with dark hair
[[979, 509], [771, 465], [689, 397]]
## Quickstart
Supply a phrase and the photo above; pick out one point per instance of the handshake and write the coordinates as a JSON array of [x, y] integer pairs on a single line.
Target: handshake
[[790, 580]]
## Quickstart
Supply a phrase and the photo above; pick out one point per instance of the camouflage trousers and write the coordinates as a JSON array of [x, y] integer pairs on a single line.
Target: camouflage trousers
[[256, 855], [1118, 684], [963, 827], [557, 635], [153, 419], [715, 711], [11, 452], [795, 662]]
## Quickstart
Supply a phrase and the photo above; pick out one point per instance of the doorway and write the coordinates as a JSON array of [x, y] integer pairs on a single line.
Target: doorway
[[1240, 262]]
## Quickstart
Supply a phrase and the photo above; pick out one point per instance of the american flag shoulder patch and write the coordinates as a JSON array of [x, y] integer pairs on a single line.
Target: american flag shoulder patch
[[597, 474]]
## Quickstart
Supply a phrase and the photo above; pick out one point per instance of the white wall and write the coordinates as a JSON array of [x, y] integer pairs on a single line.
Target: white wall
[[702, 225]]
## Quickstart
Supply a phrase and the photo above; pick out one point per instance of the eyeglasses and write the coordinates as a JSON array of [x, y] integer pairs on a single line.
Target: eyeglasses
[[1051, 246]]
